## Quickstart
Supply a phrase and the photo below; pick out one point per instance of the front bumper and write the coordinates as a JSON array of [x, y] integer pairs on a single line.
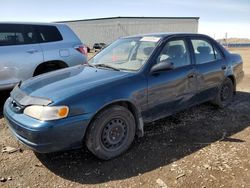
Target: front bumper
[[49, 136]]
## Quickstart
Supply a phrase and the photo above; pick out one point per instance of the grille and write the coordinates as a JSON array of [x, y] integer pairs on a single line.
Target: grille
[[17, 108]]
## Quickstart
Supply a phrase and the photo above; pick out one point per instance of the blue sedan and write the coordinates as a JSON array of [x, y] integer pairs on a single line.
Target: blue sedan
[[133, 81]]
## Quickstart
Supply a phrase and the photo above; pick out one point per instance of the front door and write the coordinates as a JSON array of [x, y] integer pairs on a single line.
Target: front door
[[171, 90], [20, 53]]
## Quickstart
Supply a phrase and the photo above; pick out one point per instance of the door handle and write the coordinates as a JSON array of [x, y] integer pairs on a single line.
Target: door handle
[[32, 51], [223, 67]]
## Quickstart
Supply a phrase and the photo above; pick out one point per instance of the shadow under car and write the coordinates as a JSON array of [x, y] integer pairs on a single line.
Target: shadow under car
[[165, 141]]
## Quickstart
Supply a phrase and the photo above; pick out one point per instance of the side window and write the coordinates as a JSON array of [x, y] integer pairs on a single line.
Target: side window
[[29, 34], [49, 34], [176, 52], [217, 54], [11, 34], [204, 51]]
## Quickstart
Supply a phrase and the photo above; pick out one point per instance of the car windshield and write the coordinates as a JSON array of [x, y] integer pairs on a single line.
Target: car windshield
[[128, 54]]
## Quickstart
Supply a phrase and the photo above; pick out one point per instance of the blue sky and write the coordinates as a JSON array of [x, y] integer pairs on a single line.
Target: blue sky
[[216, 16]]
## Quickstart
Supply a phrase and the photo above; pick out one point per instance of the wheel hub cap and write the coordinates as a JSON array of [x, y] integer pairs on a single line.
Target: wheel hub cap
[[114, 133]]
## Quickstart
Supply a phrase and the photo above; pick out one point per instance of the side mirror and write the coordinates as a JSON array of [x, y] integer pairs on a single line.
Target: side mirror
[[162, 66]]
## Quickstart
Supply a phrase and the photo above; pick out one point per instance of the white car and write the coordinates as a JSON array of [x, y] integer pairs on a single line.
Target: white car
[[30, 49]]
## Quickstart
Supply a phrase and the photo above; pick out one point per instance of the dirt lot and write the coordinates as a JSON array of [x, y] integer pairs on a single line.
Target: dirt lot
[[199, 147]]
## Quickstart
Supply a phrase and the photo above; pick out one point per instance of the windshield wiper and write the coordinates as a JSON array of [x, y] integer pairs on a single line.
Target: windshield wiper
[[107, 66], [90, 65]]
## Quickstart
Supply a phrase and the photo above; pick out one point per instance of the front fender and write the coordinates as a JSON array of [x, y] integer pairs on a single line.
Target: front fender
[[132, 89]]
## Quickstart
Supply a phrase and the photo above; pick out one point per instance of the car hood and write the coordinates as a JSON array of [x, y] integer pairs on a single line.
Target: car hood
[[67, 82]]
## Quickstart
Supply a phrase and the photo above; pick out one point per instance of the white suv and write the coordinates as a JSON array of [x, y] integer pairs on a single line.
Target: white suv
[[30, 49]]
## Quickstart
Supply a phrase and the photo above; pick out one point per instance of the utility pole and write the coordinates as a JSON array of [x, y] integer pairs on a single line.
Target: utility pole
[[226, 39]]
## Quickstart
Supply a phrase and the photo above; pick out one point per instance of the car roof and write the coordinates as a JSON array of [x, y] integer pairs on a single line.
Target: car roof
[[170, 34], [32, 23]]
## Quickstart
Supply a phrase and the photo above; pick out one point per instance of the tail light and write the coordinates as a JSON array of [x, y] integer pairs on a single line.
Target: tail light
[[82, 49]]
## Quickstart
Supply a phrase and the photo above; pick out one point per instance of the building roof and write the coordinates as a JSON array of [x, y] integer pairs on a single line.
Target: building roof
[[32, 23], [120, 17]]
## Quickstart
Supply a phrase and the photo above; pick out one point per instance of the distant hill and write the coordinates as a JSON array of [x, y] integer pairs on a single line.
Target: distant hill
[[235, 40]]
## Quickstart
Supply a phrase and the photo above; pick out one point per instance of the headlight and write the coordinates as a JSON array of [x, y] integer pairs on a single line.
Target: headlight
[[45, 113]]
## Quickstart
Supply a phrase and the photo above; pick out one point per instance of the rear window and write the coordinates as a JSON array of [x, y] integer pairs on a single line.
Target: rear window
[[16, 34], [49, 34]]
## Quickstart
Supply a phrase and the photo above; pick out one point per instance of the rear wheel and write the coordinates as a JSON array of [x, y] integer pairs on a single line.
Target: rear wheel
[[225, 94], [49, 67], [45, 70], [111, 132]]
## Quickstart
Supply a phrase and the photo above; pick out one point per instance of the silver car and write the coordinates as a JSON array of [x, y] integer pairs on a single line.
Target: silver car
[[30, 49]]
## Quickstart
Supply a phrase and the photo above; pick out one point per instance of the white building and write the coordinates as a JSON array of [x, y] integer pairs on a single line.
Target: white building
[[109, 29]]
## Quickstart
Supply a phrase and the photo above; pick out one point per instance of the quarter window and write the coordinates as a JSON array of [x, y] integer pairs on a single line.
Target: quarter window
[[49, 34], [176, 52], [204, 51]]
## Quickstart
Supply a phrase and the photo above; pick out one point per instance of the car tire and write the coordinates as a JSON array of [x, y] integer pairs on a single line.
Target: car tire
[[45, 68], [225, 94], [111, 132]]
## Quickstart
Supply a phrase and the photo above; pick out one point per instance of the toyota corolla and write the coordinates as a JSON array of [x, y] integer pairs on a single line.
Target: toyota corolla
[[104, 104]]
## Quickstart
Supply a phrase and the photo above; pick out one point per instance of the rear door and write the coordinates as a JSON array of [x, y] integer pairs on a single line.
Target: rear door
[[19, 53], [210, 68], [59, 43], [51, 41], [172, 90]]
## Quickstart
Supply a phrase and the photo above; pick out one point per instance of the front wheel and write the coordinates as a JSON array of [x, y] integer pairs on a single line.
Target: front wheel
[[225, 94], [111, 132]]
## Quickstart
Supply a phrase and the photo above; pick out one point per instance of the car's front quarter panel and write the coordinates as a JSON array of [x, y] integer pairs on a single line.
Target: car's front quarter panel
[[132, 88]]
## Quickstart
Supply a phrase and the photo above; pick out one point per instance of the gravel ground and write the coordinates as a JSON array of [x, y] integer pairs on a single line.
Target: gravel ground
[[200, 147]]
